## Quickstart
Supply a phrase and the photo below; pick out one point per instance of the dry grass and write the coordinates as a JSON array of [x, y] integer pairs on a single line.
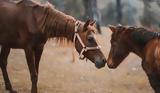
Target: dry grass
[[59, 75]]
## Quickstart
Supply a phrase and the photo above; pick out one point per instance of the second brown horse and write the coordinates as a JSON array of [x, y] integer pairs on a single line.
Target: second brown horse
[[140, 41]]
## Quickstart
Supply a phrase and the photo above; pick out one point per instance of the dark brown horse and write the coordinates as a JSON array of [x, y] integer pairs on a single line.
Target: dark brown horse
[[144, 43], [28, 25]]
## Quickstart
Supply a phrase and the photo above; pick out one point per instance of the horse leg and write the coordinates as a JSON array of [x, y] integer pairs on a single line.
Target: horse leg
[[152, 77], [32, 68], [3, 64], [38, 53]]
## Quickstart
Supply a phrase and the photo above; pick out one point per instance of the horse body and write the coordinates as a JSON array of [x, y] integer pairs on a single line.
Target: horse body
[[28, 25], [151, 63], [144, 43], [17, 28]]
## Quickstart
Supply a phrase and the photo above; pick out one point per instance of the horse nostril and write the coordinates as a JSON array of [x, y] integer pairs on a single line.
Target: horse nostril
[[104, 61]]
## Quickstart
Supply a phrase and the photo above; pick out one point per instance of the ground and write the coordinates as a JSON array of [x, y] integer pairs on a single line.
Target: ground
[[58, 74]]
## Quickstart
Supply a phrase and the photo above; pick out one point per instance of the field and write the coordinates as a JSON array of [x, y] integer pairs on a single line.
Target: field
[[58, 74]]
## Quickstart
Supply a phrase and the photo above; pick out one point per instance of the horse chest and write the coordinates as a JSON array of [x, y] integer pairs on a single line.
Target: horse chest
[[38, 40]]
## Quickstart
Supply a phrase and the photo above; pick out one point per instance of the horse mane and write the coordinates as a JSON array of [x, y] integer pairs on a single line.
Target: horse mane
[[142, 36], [53, 23], [57, 24]]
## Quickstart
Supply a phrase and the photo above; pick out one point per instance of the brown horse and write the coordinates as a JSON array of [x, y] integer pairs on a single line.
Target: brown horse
[[143, 43], [28, 25]]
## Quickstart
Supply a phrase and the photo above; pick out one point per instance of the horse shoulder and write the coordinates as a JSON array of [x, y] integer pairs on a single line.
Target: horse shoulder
[[31, 23], [157, 55], [152, 54]]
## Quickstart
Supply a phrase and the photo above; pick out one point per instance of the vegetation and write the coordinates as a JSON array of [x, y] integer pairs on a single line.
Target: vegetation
[[127, 12]]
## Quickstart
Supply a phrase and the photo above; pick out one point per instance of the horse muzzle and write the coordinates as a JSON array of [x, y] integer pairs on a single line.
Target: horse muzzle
[[111, 66], [100, 63]]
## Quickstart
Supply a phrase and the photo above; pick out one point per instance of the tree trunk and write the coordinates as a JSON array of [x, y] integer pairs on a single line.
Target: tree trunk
[[119, 11], [59, 4], [91, 11]]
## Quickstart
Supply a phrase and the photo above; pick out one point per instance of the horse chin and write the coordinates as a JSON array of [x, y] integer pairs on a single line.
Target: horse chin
[[112, 66], [97, 60], [98, 67]]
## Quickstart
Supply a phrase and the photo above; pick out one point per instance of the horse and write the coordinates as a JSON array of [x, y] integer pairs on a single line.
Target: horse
[[28, 25], [142, 42]]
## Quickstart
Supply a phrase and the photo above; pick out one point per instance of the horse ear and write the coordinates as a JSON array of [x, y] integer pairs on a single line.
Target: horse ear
[[86, 25], [112, 28], [93, 23]]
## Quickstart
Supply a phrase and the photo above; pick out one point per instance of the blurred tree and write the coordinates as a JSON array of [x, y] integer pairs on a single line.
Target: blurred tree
[[74, 8], [119, 11], [151, 14], [70, 7], [91, 11], [130, 13], [58, 4], [146, 19], [109, 13]]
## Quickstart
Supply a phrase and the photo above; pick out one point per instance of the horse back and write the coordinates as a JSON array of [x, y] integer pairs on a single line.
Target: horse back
[[17, 23]]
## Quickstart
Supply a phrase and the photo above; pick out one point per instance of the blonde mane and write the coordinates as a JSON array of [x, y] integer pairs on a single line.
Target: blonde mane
[[58, 24]]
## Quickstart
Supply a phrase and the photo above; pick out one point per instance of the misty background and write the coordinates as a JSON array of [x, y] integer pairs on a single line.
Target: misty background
[[127, 12]]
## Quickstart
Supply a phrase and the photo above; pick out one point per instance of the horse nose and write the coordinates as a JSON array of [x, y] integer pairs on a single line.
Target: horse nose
[[100, 64], [111, 65]]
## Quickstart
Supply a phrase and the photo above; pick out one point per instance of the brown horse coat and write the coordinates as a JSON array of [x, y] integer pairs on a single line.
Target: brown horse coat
[[28, 25], [143, 43], [17, 26]]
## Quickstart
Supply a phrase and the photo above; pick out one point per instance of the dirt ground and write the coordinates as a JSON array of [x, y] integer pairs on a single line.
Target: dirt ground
[[59, 75]]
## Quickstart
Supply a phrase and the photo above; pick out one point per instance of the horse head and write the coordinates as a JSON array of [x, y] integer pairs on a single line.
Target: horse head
[[86, 45], [119, 48]]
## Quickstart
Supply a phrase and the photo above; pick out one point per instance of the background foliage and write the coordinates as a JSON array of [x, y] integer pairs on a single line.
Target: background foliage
[[134, 12]]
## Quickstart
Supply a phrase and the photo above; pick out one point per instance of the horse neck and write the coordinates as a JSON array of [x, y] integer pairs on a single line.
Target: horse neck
[[59, 25], [133, 47]]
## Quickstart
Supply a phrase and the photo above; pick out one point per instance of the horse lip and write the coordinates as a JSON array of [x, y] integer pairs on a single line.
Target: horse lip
[[112, 66], [98, 67]]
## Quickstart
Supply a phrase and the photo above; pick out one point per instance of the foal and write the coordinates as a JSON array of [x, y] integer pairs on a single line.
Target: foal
[[143, 43]]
